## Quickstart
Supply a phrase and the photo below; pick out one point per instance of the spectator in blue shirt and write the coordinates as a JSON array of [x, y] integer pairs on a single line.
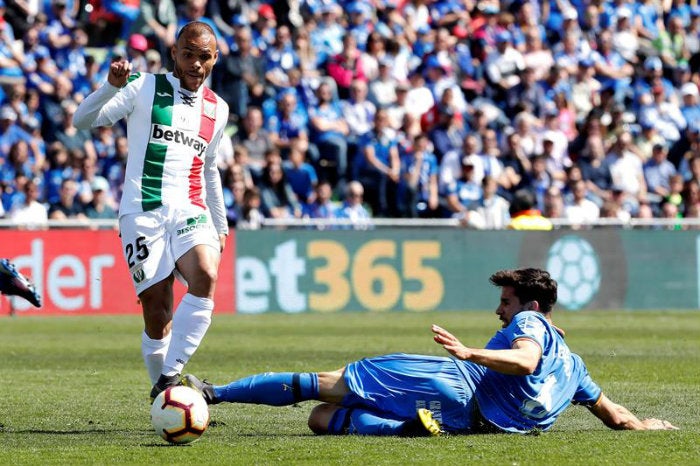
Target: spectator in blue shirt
[[612, 70], [648, 16], [652, 75], [359, 25], [449, 133], [353, 208], [86, 82], [690, 102], [194, 10], [16, 94], [10, 131], [67, 206], [464, 193], [379, 166], [418, 189], [278, 198], [657, 174], [448, 13], [127, 14], [300, 175], [71, 59], [17, 163], [288, 126], [329, 130], [358, 111], [46, 74], [240, 76], [263, 27], [425, 41], [280, 58], [526, 96], [10, 58], [60, 169], [57, 34], [322, 206], [103, 142], [233, 187], [327, 37]]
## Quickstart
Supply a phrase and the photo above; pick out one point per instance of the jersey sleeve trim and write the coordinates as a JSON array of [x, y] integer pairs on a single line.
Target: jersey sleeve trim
[[525, 338], [588, 404]]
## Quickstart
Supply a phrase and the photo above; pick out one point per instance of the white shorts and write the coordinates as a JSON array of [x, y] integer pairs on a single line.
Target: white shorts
[[153, 241]]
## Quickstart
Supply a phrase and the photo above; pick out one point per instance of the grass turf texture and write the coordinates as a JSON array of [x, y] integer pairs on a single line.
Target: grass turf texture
[[74, 390]]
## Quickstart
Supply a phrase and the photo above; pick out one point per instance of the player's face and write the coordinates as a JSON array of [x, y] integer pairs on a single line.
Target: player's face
[[194, 56], [509, 305]]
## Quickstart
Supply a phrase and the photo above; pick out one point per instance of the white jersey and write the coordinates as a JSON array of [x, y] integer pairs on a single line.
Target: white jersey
[[173, 137]]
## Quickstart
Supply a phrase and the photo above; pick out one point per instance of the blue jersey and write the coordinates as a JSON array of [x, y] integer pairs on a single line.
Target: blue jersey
[[523, 403]]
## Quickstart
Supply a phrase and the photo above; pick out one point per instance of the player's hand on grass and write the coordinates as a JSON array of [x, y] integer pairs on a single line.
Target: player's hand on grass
[[119, 72], [658, 424], [451, 344]]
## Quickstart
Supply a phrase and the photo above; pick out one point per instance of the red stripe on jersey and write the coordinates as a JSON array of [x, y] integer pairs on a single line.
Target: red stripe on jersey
[[196, 182], [206, 124], [206, 132]]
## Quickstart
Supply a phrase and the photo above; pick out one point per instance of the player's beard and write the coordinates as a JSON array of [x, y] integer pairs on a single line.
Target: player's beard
[[191, 82]]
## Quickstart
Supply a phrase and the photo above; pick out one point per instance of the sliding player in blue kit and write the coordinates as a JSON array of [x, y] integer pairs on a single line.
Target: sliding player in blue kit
[[522, 381]]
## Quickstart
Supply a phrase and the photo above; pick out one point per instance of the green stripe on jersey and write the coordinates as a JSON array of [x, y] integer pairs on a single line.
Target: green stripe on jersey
[[154, 161]]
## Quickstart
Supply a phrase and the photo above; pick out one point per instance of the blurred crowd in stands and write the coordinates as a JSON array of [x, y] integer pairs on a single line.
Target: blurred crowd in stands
[[375, 108]]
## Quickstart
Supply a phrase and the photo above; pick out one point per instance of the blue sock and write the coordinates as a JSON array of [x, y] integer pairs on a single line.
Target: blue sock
[[271, 388], [362, 422]]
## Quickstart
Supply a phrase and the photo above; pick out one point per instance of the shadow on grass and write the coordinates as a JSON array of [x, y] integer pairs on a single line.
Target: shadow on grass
[[74, 431]]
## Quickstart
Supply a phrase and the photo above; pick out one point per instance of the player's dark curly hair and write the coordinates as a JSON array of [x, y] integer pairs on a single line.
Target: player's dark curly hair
[[529, 284]]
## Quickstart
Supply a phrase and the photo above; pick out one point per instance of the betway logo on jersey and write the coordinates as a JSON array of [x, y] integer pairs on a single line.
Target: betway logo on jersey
[[162, 134]]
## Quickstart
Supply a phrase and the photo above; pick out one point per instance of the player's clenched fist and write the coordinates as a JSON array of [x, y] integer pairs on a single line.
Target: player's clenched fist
[[119, 72]]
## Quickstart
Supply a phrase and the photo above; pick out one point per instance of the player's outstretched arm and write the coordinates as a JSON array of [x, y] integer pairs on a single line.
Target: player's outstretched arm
[[618, 417]]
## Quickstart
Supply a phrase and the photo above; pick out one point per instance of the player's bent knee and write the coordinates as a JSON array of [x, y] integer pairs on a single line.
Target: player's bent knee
[[332, 387], [320, 418], [212, 275], [207, 276], [202, 282]]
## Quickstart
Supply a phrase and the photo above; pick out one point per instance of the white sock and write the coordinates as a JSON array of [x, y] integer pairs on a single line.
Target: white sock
[[153, 352], [190, 323]]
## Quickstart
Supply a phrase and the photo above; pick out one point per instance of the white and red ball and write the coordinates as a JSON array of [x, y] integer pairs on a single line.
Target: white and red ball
[[180, 414]]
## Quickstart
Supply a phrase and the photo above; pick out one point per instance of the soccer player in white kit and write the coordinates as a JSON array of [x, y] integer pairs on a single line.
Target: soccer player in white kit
[[172, 218]]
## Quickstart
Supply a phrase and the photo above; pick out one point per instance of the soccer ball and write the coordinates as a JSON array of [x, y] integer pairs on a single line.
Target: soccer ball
[[180, 415]]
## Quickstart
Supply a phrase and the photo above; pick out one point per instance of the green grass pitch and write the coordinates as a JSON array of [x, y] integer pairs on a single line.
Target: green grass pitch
[[74, 390]]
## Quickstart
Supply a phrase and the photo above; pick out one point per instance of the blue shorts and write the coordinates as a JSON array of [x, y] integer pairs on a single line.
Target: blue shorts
[[397, 385]]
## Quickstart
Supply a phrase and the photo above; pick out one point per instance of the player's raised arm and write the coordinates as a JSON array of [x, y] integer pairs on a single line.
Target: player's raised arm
[[93, 111], [618, 417]]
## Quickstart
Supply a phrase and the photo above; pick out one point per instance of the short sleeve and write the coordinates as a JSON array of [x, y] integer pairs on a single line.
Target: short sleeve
[[588, 392], [527, 325]]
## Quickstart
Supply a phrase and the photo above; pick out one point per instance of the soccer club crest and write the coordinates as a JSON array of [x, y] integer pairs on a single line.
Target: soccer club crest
[[138, 274]]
